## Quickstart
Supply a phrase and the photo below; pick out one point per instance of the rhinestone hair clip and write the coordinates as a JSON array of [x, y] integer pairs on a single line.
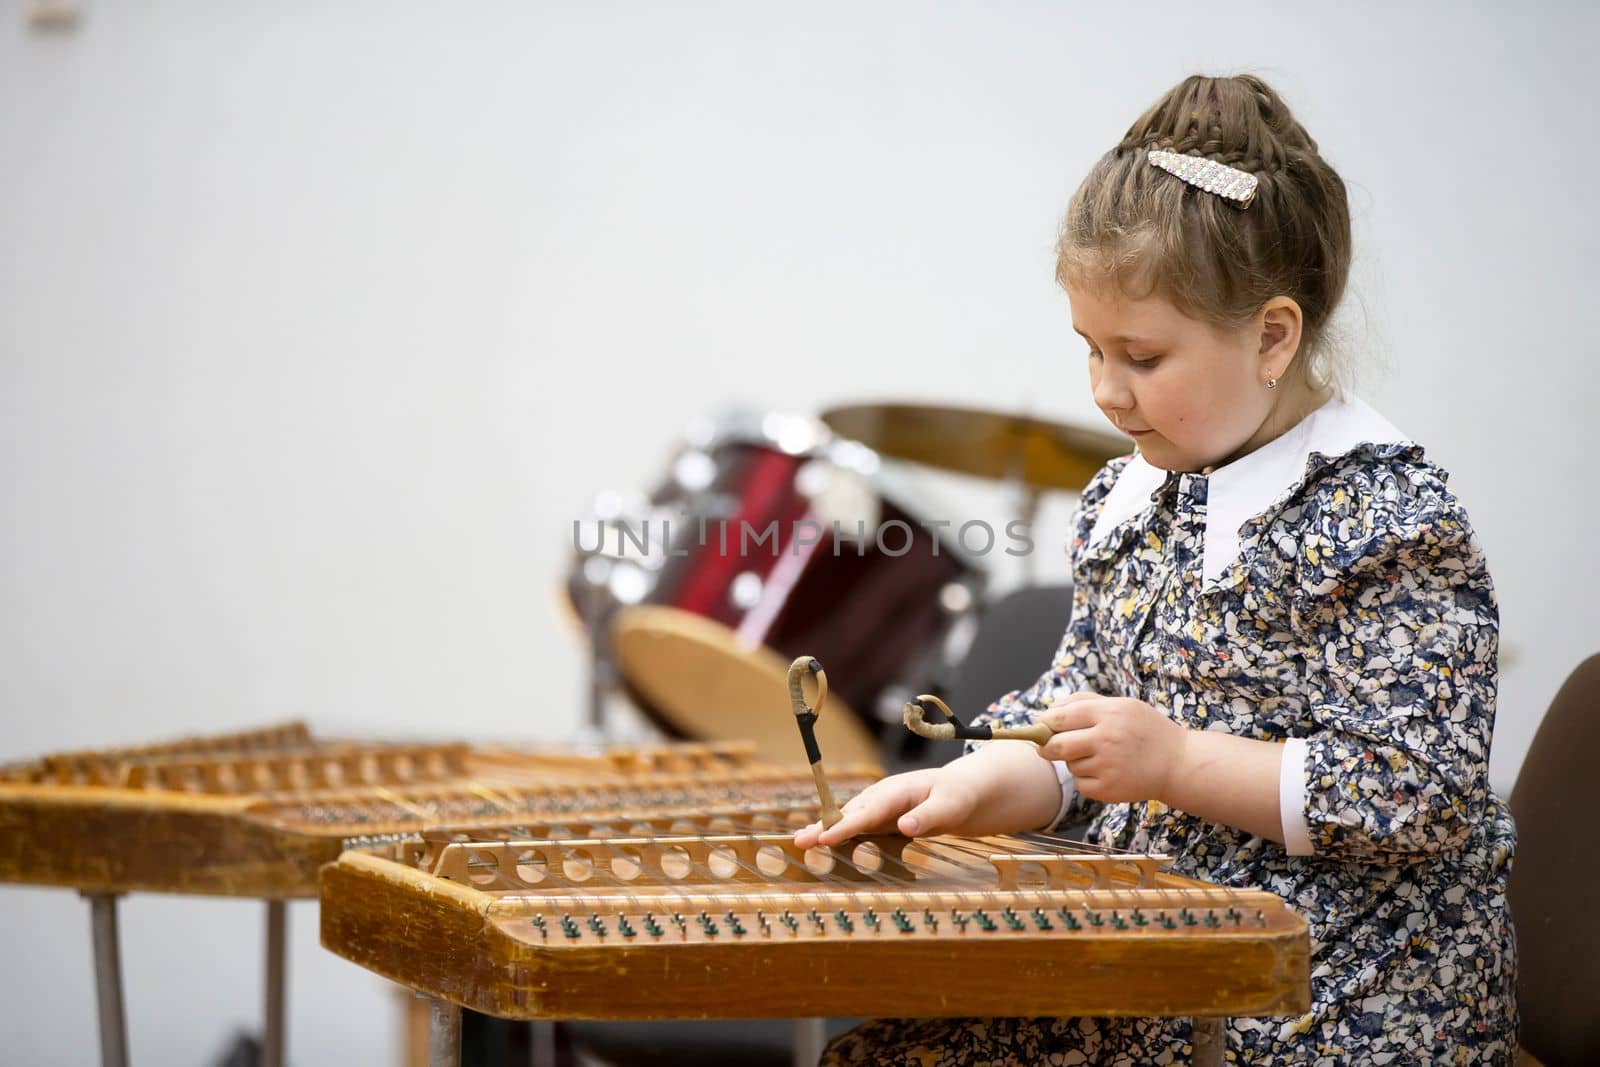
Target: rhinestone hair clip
[[1235, 186]]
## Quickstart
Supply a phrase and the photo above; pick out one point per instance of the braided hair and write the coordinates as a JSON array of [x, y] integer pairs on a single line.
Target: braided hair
[[1136, 230]]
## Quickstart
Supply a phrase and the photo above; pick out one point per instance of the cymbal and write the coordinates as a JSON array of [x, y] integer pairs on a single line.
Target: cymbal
[[989, 444]]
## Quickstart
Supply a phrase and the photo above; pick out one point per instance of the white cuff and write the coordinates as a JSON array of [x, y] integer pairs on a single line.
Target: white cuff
[[1292, 798], [1069, 789]]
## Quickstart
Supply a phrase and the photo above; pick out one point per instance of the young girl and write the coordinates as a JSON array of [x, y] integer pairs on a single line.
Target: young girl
[[1281, 663]]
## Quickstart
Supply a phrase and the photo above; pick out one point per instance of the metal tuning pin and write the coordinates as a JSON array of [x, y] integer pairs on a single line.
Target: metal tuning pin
[[806, 717]]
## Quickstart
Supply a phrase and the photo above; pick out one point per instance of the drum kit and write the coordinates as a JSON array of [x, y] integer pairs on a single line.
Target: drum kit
[[770, 535]]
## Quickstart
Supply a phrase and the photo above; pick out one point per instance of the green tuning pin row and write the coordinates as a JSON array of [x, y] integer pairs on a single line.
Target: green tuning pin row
[[907, 922]]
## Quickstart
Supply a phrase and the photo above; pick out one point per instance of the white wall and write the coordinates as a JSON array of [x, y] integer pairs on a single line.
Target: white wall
[[323, 321]]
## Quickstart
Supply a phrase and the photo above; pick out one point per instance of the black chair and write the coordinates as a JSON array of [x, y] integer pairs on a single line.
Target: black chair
[[1554, 877], [1017, 638]]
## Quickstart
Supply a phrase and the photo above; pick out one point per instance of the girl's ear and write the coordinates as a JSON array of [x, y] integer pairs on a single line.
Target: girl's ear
[[1280, 335]]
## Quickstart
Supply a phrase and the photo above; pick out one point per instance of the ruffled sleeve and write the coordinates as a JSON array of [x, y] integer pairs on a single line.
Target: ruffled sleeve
[[1397, 613]]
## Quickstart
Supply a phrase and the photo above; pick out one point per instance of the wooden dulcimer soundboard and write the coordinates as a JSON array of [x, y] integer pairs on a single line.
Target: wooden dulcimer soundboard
[[674, 917]]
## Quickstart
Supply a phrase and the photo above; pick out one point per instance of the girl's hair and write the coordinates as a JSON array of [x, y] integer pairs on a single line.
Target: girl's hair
[[1136, 230]]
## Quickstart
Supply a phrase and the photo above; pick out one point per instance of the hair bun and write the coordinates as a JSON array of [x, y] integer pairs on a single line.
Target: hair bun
[[1239, 121]]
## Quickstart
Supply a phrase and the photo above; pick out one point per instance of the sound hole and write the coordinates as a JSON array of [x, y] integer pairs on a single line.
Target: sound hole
[[721, 825], [771, 861], [577, 865], [559, 833], [764, 821], [1075, 876], [482, 868], [818, 862], [532, 867], [626, 864], [675, 862], [1032, 876], [723, 861], [868, 856]]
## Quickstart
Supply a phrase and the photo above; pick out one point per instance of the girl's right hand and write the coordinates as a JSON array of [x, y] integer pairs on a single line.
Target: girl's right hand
[[929, 801]]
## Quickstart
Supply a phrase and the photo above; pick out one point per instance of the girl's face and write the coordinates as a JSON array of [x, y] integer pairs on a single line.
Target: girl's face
[[1191, 394]]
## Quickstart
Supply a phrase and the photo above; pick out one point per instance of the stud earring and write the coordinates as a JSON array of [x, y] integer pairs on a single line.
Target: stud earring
[[1272, 383]]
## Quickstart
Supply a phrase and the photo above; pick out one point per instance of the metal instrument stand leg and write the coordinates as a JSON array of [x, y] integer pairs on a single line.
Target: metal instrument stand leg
[[542, 1043], [108, 979], [1210, 1041], [1029, 516], [272, 1045], [444, 1034], [601, 672], [810, 1036]]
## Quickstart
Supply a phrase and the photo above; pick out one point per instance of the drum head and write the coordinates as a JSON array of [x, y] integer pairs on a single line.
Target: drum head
[[695, 676]]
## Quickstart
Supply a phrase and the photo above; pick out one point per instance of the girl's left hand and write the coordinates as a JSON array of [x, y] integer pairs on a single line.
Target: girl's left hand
[[1118, 750]]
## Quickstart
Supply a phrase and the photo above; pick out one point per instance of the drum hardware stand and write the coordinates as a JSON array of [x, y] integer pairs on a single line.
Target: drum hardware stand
[[1029, 514], [108, 979], [600, 671], [1209, 1039]]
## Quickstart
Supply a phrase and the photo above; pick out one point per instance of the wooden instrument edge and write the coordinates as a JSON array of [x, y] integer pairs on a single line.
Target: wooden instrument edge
[[99, 840], [446, 941]]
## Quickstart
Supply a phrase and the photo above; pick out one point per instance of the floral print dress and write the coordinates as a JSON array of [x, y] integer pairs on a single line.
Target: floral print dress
[[1348, 613]]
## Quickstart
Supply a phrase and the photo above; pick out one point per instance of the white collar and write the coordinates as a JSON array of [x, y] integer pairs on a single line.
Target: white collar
[[1245, 488]]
